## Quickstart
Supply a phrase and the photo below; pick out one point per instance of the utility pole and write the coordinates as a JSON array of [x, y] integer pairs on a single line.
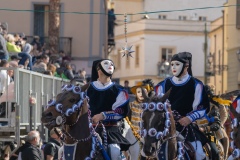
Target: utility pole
[[205, 53], [106, 29]]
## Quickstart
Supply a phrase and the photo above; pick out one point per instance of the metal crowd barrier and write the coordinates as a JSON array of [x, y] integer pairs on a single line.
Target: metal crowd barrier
[[28, 84]]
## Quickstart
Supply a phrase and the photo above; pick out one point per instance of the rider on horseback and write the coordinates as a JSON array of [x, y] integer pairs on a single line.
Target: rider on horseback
[[109, 104], [220, 104], [134, 114], [212, 130], [188, 98], [135, 111]]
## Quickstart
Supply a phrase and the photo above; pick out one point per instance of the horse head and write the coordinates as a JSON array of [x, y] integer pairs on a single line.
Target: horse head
[[68, 107], [156, 122]]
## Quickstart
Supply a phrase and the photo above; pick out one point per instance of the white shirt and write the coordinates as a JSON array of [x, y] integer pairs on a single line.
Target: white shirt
[[4, 80]]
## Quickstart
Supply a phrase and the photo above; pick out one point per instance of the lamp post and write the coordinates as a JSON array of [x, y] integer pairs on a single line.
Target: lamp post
[[214, 69]]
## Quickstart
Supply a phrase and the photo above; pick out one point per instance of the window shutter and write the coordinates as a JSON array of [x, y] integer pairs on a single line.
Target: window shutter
[[238, 15]]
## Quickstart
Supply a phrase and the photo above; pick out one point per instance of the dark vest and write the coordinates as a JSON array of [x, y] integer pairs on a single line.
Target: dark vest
[[181, 96], [102, 100]]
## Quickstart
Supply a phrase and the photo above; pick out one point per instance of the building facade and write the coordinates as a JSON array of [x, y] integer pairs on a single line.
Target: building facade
[[156, 39], [216, 66], [87, 31], [232, 44]]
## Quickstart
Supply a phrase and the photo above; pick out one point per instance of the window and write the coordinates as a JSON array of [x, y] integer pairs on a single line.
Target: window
[[137, 56], [40, 22], [183, 18], [167, 54], [238, 15], [164, 63], [162, 16], [201, 18]]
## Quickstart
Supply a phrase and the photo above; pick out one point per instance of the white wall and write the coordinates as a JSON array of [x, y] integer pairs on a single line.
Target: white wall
[[163, 5], [192, 44]]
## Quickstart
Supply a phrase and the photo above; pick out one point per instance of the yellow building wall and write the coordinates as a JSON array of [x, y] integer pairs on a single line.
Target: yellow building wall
[[218, 80], [232, 45]]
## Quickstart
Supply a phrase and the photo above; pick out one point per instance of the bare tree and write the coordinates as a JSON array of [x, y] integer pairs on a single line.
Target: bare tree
[[54, 25]]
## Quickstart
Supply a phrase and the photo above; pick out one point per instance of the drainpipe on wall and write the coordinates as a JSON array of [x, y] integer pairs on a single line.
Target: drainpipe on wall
[[205, 54], [223, 49]]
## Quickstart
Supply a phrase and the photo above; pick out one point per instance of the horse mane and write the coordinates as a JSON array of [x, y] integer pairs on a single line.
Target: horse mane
[[85, 87], [155, 98]]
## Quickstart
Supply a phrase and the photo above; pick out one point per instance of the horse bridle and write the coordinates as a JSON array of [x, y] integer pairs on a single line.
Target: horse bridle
[[161, 136], [75, 107], [61, 120]]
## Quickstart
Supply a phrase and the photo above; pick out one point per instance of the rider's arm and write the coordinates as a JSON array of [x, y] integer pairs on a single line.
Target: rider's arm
[[119, 108], [223, 114], [216, 122], [200, 103], [159, 88]]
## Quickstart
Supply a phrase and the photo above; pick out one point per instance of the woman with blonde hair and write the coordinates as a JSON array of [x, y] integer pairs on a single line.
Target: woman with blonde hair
[[52, 68], [11, 46]]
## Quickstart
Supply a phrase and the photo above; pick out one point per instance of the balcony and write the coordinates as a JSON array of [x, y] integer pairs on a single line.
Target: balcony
[[65, 43]]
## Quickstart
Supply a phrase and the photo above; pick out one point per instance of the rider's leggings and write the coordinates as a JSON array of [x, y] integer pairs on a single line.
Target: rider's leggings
[[114, 151], [214, 151], [197, 145]]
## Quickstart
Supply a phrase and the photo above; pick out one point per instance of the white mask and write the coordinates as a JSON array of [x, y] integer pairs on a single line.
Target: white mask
[[108, 66], [139, 93], [176, 68]]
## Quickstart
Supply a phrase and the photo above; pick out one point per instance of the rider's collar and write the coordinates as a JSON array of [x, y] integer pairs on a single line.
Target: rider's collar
[[101, 85], [181, 80]]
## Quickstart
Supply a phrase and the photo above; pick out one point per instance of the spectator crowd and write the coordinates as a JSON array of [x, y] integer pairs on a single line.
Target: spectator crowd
[[35, 56], [16, 50]]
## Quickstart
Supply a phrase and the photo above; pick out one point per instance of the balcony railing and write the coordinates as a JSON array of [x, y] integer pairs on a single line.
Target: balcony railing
[[164, 69], [65, 43]]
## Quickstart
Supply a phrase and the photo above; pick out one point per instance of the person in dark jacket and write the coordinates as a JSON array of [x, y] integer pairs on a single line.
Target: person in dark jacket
[[25, 55], [52, 147], [3, 45], [18, 152], [32, 152], [68, 71]]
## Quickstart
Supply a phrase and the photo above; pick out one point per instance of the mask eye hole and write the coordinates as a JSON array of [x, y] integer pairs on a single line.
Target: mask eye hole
[[159, 135], [167, 123], [152, 132], [151, 106], [51, 102], [59, 107], [143, 133], [144, 106], [160, 106]]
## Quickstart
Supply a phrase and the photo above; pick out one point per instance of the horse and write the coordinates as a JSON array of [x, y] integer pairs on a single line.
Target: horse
[[70, 111], [158, 127], [161, 139]]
